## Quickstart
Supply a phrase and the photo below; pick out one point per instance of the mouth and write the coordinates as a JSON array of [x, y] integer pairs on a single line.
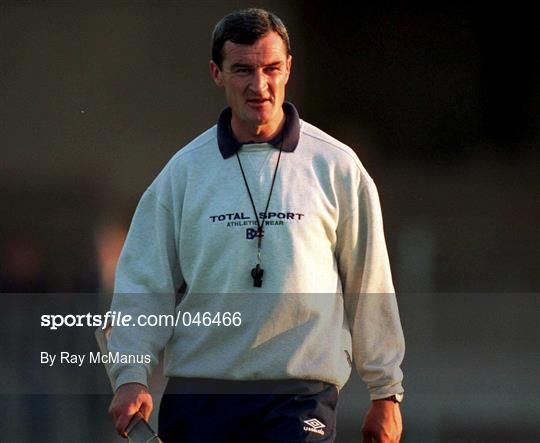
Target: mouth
[[257, 101]]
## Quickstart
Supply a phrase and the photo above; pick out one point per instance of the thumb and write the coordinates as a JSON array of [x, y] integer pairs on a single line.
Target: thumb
[[145, 409]]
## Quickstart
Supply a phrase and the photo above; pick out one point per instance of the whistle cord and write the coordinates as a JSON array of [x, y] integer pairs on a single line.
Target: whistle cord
[[257, 272]]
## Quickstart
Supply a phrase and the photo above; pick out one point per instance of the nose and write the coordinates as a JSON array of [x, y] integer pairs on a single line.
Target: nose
[[258, 83]]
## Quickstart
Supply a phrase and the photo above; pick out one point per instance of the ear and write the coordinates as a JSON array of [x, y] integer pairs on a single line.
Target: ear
[[216, 73], [288, 67]]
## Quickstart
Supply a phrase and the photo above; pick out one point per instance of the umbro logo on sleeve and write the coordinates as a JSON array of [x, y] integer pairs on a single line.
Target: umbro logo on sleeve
[[314, 425]]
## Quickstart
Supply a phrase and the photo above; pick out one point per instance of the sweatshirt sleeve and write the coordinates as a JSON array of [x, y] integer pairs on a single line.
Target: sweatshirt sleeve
[[370, 303], [147, 277]]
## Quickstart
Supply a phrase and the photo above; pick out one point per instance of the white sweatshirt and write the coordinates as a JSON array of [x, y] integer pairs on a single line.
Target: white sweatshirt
[[327, 290]]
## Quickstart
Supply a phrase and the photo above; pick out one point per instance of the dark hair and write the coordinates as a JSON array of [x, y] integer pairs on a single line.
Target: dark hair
[[246, 27]]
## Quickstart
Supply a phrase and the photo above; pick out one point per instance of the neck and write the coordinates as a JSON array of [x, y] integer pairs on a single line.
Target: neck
[[262, 133]]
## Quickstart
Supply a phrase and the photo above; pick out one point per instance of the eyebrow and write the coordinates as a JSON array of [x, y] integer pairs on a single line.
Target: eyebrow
[[247, 65]]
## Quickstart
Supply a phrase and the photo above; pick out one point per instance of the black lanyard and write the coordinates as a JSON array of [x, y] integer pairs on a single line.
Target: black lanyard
[[257, 272]]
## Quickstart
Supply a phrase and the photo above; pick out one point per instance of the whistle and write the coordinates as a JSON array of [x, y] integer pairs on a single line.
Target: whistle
[[257, 274]]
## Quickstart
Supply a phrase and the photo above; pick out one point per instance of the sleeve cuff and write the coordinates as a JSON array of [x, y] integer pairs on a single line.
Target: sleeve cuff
[[131, 374], [385, 391]]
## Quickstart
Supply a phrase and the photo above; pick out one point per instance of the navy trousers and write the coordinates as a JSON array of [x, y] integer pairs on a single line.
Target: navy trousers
[[210, 411]]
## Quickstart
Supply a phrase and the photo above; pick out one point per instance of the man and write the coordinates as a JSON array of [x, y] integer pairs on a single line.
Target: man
[[267, 218]]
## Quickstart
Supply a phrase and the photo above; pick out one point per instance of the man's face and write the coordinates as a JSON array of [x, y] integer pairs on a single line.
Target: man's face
[[254, 77]]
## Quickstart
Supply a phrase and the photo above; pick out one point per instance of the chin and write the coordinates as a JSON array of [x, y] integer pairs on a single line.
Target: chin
[[261, 120], [266, 116]]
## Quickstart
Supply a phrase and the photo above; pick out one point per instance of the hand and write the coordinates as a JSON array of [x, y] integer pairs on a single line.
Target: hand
[[128, 400], [382, 423]]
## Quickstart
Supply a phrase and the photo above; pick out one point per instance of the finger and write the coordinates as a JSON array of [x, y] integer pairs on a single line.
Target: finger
[[122, 423], [146, 410], [115, 412], [114, 409]]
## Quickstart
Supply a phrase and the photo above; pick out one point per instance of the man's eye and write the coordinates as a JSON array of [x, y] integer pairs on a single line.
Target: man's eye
[[243, 71]]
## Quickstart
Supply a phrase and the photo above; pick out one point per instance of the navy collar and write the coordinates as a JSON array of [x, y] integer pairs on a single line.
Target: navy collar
[[287, 138]]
